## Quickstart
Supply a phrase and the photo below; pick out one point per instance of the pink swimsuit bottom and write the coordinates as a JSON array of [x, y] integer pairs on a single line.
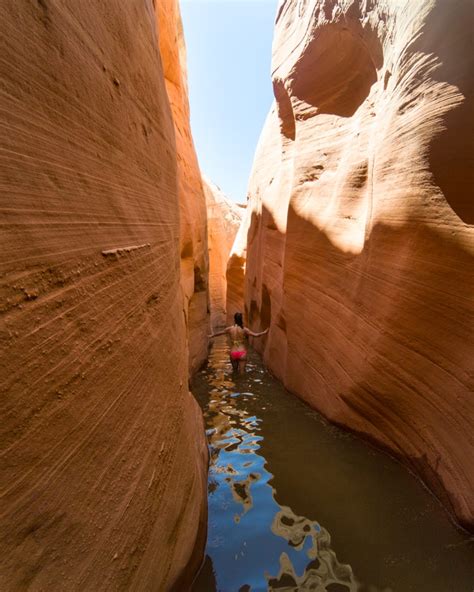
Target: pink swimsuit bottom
[[238, 355]]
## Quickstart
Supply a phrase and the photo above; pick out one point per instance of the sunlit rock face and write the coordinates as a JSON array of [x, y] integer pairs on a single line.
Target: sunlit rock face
[[103, 455], [193, 230], [360, 242], [235, 272], [223, 221]]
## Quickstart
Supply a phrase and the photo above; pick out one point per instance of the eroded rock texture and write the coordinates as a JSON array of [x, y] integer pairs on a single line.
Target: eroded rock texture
[[193, 243], [223, 220], [361, 240], [103, 457]]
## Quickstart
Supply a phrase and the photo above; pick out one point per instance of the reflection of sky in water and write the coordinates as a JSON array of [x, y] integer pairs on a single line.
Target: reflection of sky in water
[[391, 531], [252, 540]]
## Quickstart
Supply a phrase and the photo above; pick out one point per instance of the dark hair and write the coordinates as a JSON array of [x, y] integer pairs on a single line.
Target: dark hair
[[238, 319]]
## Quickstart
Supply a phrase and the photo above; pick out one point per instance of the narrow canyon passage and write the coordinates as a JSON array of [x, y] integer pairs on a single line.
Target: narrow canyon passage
[[121, 251], [298, 504]]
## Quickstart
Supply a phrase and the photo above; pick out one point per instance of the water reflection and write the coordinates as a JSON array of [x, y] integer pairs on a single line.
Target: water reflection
[[323, 571], [253, 542], [277, 467]]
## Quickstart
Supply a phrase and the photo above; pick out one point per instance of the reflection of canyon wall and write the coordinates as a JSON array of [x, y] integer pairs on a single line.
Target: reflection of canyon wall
[[360, 245], [323, 573], [194, 258], [223, 220], [103, 455]]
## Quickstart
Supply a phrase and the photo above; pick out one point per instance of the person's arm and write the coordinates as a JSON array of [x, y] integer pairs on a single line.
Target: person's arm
[[248, 332], [223, 332]]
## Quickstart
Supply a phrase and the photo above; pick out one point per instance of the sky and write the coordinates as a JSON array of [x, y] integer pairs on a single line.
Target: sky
[[228, 46]]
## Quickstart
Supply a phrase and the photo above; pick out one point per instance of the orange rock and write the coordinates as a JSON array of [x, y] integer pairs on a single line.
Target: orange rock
[[361, 240], [193, 230], [235, 272], [223, 221], [103, 466]]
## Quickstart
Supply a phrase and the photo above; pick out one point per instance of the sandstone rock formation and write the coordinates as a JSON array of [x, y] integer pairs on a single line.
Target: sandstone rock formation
[[235, 273], [223, 221], [194, 253], [360, 242], [103, 457]]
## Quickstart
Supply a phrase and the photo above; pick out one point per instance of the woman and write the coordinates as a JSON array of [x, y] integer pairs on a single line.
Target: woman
[[238, 333]]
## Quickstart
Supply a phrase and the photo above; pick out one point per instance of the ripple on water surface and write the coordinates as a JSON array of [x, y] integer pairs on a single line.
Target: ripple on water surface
[[281, 480]]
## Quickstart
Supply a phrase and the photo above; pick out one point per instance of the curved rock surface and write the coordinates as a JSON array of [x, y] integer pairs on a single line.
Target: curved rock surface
[[223, 221], [360, 246], [103, 456], [193, 215]]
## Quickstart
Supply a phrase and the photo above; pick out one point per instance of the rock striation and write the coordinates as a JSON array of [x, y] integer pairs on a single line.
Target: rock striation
[[360, 239], [223, 221], [103, 455], [193, 215]]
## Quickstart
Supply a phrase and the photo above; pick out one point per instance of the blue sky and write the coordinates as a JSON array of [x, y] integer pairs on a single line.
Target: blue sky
[[229, 55]]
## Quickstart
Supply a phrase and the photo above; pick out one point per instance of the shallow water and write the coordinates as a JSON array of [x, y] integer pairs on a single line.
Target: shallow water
[[298, 504]]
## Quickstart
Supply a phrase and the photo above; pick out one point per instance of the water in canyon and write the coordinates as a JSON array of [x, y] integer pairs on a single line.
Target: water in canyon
[[298, 504]]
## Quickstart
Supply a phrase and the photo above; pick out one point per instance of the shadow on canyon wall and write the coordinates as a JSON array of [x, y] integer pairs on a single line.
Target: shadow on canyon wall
[[378, 520], [378, 342], [451, 151]]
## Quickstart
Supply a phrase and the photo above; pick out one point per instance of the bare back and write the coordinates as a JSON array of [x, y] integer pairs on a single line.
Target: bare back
[[237, 337]]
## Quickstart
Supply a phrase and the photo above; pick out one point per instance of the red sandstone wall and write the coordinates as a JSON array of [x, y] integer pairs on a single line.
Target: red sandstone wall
[[361, 239], [103, 457], [223, 218], [235, 271], [193, 216]]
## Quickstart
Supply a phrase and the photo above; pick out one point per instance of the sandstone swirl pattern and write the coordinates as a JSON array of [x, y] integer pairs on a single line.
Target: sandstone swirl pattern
[[360, 218], [103, 458]]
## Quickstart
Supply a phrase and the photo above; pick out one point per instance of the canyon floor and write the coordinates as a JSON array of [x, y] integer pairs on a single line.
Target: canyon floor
[[296, 503]]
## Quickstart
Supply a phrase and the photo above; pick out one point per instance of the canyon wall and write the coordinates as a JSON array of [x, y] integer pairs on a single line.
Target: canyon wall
[[235, 272], [103, 455], [193, 226], [223, 220], [360, 241]]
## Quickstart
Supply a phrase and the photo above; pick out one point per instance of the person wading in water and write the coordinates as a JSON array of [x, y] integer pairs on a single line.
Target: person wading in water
[[238, 349]]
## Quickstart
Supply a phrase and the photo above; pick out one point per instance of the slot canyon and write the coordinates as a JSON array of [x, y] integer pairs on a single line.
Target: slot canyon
[[120, 258]]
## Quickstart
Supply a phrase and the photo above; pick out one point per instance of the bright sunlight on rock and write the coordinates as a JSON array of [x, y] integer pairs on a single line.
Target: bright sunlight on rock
[[361, 239], [194, 388], [104, 456]]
